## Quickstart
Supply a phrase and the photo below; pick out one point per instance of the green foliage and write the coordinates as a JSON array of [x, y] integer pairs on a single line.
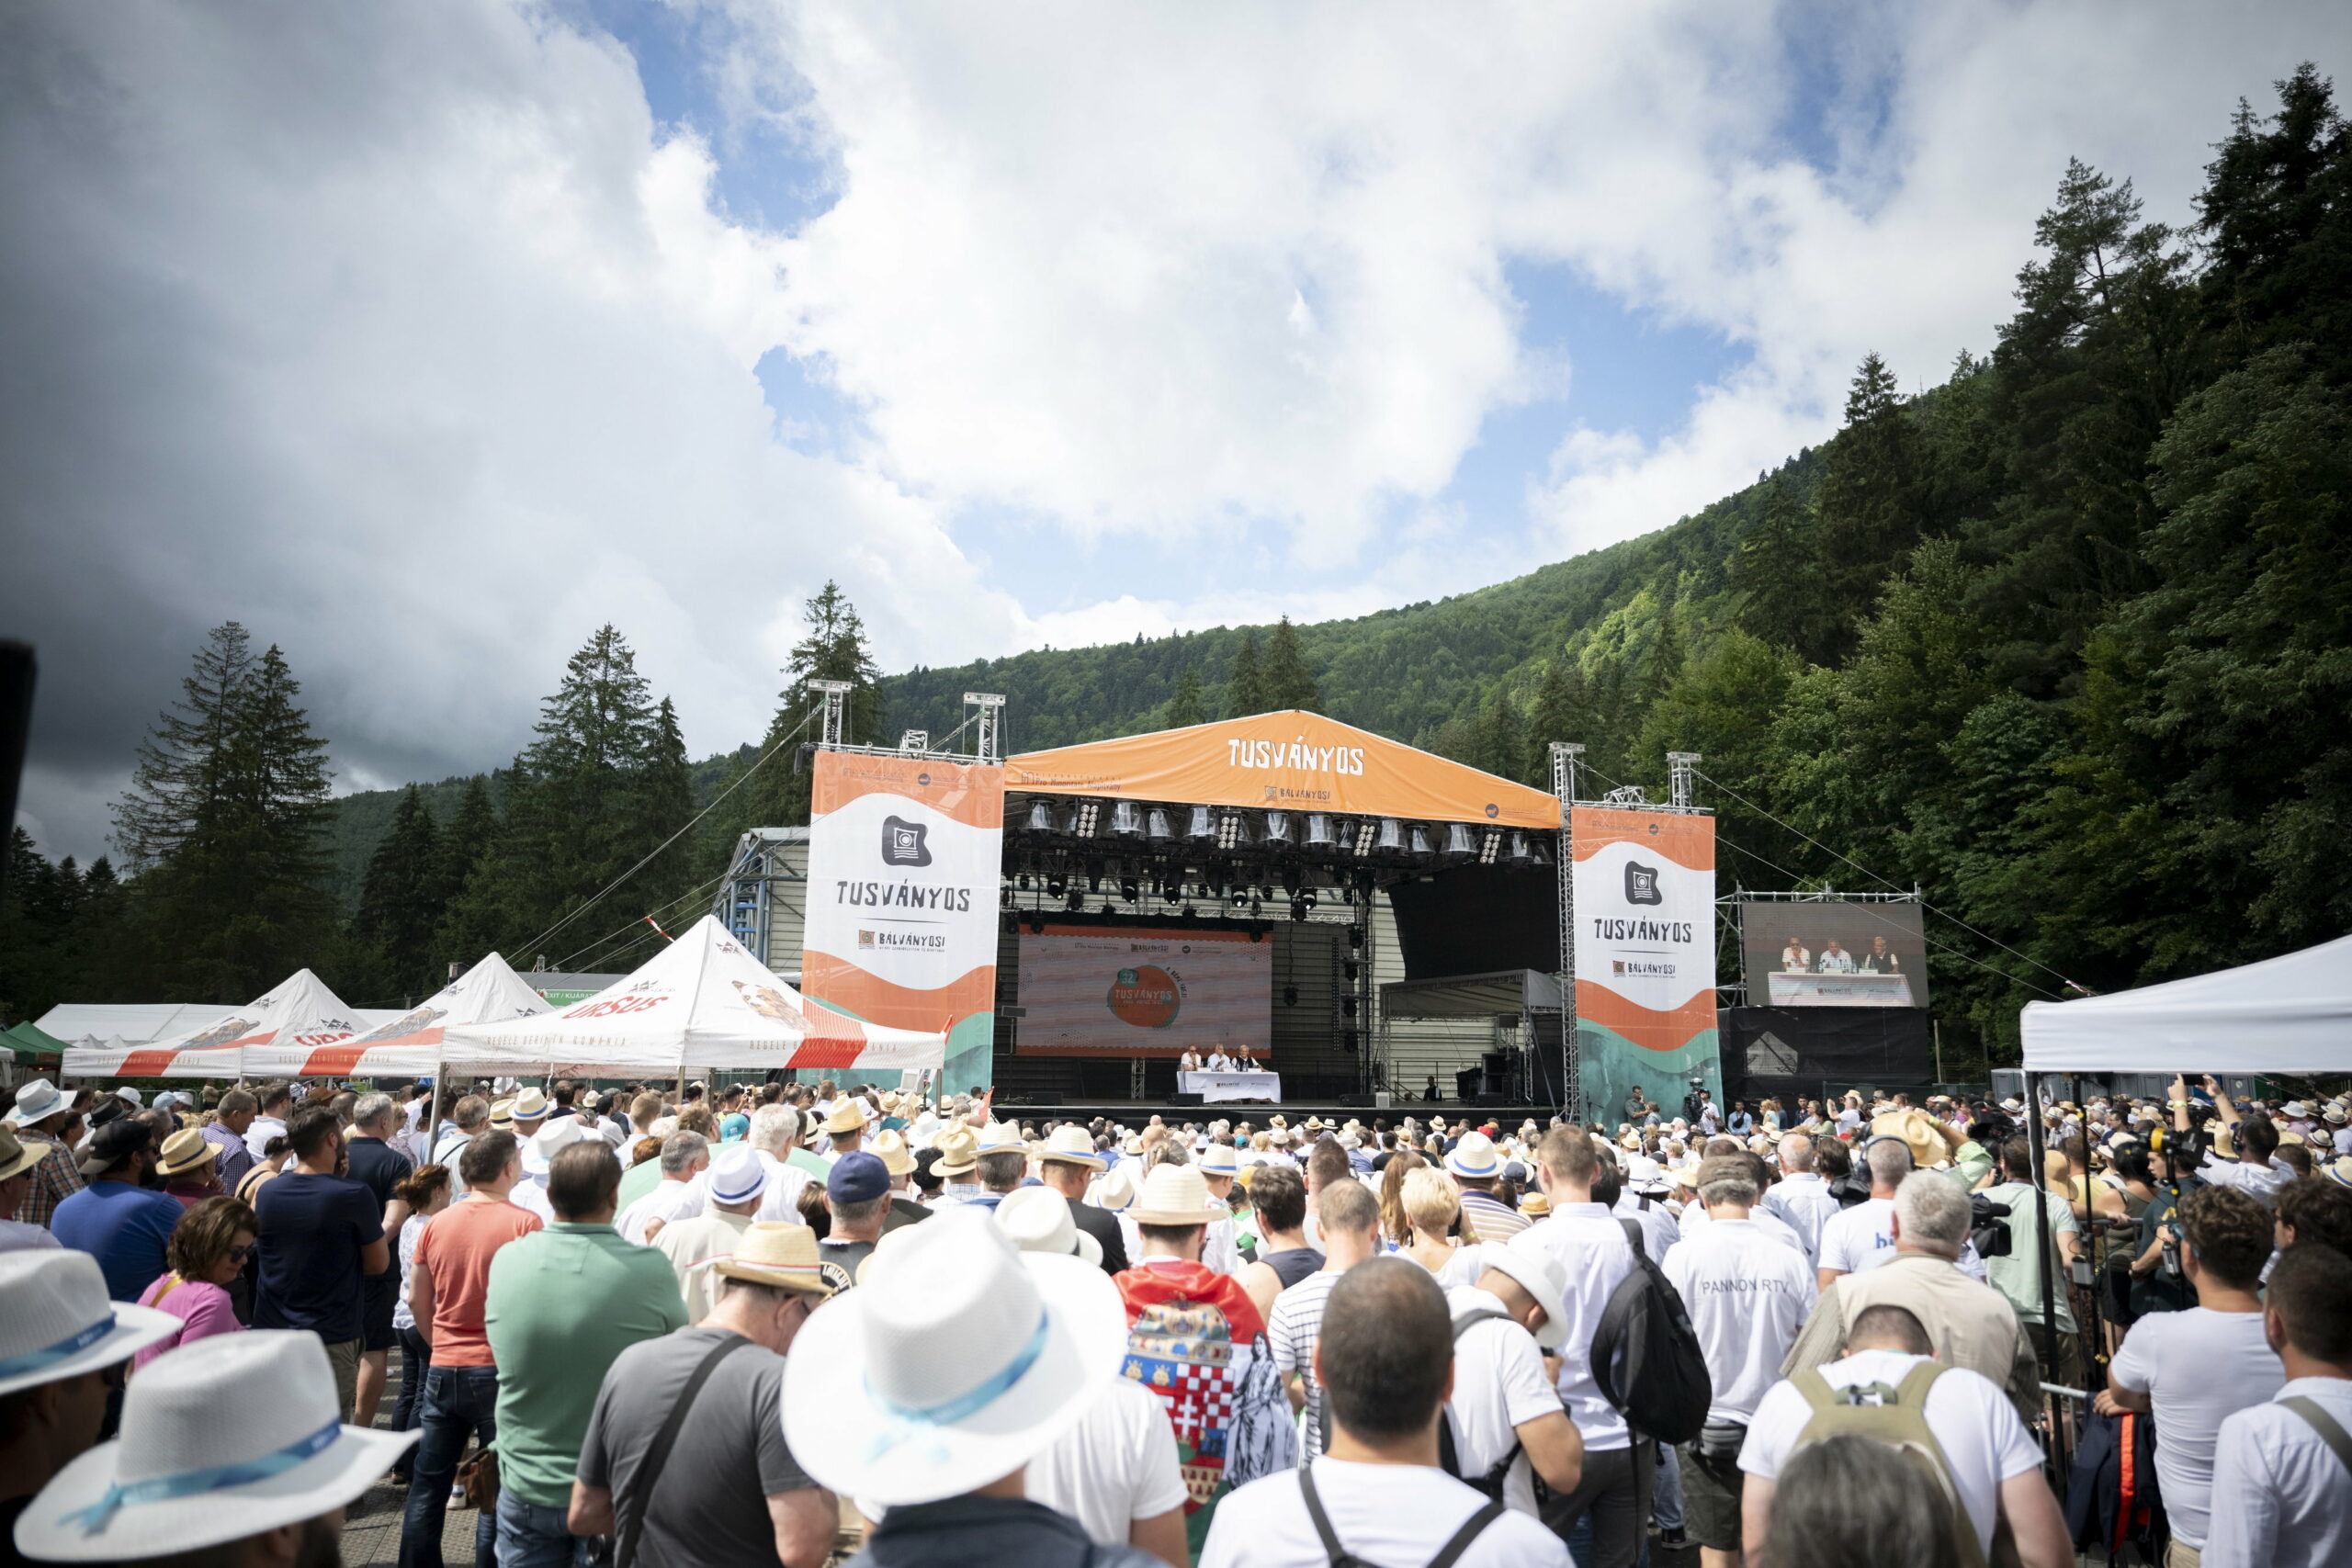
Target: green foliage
[[1245, 685], [1189, 705], [401, 904], [1288, 683]]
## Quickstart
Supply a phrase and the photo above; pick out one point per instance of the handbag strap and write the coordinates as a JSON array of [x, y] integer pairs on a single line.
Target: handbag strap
[[649, 1471], [1448, 1554], [2330, 1431]]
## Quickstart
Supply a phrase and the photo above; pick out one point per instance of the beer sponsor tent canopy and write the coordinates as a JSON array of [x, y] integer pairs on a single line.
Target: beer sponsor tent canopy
[[133, 1023], [25, 1040], [2288, 1014], [702, 1004], [299, 1011], [1287, 760], [412, 1045]]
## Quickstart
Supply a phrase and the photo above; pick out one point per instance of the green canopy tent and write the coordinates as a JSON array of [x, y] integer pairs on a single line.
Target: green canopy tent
[[25, 1043]]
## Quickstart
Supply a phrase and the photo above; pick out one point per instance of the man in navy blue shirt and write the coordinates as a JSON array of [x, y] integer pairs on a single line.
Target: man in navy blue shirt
[[122, 1218], [379, 1168], [322, 1235]]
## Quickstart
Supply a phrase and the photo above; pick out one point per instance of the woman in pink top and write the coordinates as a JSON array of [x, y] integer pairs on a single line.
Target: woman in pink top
[[209, 1246]]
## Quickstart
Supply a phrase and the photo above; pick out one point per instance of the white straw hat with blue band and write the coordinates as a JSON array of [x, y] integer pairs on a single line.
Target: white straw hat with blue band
[[56, 1322], [955, 1362], [181, 1477]]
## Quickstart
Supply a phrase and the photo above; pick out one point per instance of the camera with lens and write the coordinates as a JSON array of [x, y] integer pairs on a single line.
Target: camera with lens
[[1988, 1226]]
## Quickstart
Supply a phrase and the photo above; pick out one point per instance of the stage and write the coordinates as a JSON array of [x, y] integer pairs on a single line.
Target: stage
[[1136, 1112]]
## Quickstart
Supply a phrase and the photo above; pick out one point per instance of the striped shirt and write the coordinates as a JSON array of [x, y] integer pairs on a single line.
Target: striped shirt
[[1493, 1218], [1297, 1323]]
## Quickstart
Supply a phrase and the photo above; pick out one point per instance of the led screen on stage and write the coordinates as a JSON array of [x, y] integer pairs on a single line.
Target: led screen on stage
[[1833, 953], [1122, 991]]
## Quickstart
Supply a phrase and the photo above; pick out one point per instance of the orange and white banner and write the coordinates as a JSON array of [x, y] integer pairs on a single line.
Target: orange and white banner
[[1645, 925], [904, 856]]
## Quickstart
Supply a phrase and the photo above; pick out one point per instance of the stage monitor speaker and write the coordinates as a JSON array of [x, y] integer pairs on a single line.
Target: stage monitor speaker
[[1355, 1099], [1183, 1099]]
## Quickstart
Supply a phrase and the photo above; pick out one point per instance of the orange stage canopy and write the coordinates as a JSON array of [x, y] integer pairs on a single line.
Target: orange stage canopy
[[1283, 761]]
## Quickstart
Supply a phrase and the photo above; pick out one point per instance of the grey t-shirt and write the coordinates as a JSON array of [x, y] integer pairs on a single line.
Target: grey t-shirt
[[710, 1505]]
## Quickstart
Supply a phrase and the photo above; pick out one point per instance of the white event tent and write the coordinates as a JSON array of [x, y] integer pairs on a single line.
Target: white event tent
[[412, 1045], [701, 1004], [300, 1012], [2288, 1014]]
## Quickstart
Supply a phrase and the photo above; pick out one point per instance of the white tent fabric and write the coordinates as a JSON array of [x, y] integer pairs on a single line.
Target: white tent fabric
[[301, 1011], [701, 1003], [2288, 1014], [144, 1023], [411, 1044]]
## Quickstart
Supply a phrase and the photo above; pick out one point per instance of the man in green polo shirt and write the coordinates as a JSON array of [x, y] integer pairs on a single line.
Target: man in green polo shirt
[[559, 1311]]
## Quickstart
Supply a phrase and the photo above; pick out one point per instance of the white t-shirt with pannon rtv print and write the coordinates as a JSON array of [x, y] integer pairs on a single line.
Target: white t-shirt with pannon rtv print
[[1972, 1421], [1398, 1513]]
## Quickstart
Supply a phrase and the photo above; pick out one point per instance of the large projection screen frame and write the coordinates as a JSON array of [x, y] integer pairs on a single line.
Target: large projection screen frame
[[1833, 951], [1144, 991]]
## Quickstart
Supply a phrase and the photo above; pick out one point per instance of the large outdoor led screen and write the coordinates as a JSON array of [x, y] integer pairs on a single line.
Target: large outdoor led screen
[[1125, 991], [1833, 953]]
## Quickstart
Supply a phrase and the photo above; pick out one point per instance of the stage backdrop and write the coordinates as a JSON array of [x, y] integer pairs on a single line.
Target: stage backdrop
[[1646, 956], [1833, 953], [903, 859], [1128, 991]]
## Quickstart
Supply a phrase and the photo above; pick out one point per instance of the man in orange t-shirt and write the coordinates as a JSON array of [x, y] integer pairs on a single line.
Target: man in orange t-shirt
[[448, 1284]]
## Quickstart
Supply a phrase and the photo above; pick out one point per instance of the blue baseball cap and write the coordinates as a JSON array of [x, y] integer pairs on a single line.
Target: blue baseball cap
[[857, 1178]]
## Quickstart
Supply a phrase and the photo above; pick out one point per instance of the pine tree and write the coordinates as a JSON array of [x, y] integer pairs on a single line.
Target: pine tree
[[1189, 703], [1562, 712], [471, 831], [181, 768], [1244, 688], [1664, 667], [1497, 741], [667, 804], [401, 905], [835, 650], [1776, 570], [1870, 499], [1287, 682]]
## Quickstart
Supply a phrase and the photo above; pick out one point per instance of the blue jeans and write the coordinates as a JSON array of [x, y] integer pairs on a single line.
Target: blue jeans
[[459, 1403], [1668, 1504], [416, 1361], [531, 1535]]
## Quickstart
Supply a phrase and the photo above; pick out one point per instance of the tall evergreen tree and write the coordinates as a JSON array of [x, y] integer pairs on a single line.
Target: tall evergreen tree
[[667, 804], [1188, 705], [1776, 572], [400, 905], [1870, 499], [1287, 682], [182, 766], [472, 830], [1664, 666], [1244, 687], [1562, 712], [835, 649], [2276, 217]]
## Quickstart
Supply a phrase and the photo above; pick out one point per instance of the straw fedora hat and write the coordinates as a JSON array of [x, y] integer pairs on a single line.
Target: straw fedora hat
[[502, 1115], [1070, 1146], [1917, 1130], [956, 1362], [959, 1152], [773, 1252], [530, 1105], [186, 1150], [1473, 1155], [1176, 1195], [889, 1147], [16, 1158], [1218, 1159], [1002, 1137], [1116, 1190], [56, 1322], [1533, 1205], [180, 1479], [848, 1116], [1038, 1220]]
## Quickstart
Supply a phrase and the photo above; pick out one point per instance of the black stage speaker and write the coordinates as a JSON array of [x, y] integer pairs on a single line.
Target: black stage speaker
[[1356, 1100], [1183, 1099]]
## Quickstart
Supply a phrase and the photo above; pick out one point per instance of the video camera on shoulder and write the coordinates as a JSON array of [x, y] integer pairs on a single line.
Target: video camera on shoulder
[[1988, 1226]]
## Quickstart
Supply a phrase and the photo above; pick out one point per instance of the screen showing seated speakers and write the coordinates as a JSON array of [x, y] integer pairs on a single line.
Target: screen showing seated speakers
[[1120, 991], [1833, 954]]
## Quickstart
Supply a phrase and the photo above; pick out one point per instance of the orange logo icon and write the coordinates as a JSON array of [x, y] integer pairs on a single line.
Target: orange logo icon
[[1146, 997]]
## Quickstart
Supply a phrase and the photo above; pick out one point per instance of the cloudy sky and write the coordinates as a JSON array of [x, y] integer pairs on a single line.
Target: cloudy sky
[[424, 336]]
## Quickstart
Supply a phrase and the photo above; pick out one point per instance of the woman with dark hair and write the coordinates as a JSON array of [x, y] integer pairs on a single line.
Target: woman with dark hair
[[208, 1249]]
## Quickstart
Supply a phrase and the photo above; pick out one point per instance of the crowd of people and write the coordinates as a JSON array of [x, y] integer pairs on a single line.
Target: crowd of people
[[781, 1322]]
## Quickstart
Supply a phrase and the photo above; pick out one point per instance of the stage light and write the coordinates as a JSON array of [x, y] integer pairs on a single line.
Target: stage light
[[1298, 910], [1279, 832], [1022, 882], [1077, 900], [1005, 895], [1290, 880], [1094, 882], [1290, 996], [1458, 844], [1084, 819], [1349, 969], [1127, 889], [1308, 897], [1355, 936], [1348, 1041], [1318, 831], [1240, 897], [1256, 908], [1200, 825], [1536, 858], [1417, 844], [1391, 841], [1041, 817], [1232, 830], [1347, 1007], [1054, 886], [1520, 855], [1127, 821], [1361, 836], [1156, 830], [1190, 912], [1036, 926], [1490, 844]]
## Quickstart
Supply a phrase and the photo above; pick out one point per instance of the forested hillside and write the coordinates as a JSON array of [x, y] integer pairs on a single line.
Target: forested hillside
[[2067, 642]]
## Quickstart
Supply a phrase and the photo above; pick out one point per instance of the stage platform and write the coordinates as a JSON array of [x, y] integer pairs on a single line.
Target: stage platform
[[1136, 1113]]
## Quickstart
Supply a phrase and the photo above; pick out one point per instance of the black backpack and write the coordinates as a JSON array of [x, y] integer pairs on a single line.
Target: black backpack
[[1449, 1457], [1646, 1357]]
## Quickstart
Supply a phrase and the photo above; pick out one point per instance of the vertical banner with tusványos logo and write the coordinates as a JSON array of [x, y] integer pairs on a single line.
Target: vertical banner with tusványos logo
[[903, 861], [1646, 957]]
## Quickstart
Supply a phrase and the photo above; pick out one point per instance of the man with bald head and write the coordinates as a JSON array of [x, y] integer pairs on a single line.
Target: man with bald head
[[1801, 1199]]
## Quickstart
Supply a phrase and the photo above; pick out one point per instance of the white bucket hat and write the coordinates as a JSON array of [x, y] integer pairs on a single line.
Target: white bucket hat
[[1473, 1155], [956, 1362], [1038, 1220], [1539, 1276], [180, 1478], [56, 1322], [541, 1148], [36, 1101]]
